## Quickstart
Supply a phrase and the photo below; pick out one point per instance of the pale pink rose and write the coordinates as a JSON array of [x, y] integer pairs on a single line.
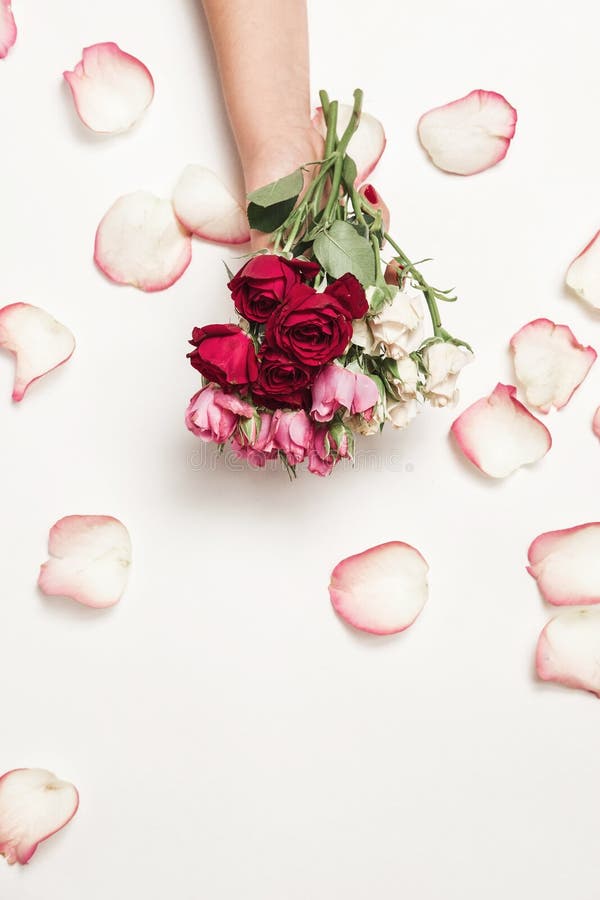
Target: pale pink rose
[[213, 415], [292, 434], [326, 452], [335, 387], [258, 447]]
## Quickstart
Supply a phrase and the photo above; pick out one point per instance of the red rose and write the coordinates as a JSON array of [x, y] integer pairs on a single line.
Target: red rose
[[225, 354], [263, 282], [316, 327], [281, 381]]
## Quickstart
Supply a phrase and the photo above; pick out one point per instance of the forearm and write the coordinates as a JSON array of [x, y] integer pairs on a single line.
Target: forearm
[[262, 52]]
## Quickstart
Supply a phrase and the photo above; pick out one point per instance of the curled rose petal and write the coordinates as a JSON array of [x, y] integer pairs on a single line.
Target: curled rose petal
[[381, 590], [377, 202], [468, 135], [367, 143], [566, 565], [498, 434], [206, 207], [550, 363], [141, 242], [111, 89], [38, 342], [89, 560], [596, 423], [583, 275], [34, 805], [568, 650], [8, 29]]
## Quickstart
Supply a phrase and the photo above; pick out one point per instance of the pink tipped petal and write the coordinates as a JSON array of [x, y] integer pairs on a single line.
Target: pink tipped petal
[[568, 650], [34, 805], [583, 275], [38, 342], [89, 560], [8, 29], [141, 242], [596, 423], [111, 89], [468, 135], [367, 143], [566, 565], [550, 363], [205, 207], [498, 434], [381, 590]]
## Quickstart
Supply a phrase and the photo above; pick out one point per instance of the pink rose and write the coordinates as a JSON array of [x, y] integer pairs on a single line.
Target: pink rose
[[328, 448], [292, 434], [335, 387], [213, 415], [254, 442]]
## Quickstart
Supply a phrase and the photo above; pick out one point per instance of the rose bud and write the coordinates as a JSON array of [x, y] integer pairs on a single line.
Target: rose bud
[[394, 273], [225, 354], [374, 199], [262, 283]]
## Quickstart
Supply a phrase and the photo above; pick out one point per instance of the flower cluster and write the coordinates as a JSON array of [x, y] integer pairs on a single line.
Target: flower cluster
[[330, 341]]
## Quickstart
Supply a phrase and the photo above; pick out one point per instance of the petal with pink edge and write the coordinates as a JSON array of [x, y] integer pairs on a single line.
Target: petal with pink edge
[[34, 805], [499, 435], [583, 275], [596, 423], [205, 207], [89, 560], [367, 143], [568, 650], [381, 590], [566, 565], [8, 28], [111, 89], [38, 342], [550, 363], [141, 242], [468, 135]]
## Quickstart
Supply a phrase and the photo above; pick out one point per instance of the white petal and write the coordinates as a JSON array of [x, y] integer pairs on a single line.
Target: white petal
[[566, 565], [205, 207], [89, 560], [141, 242], [8, 29], [498, 435], [367, 143], [38, 341], [568, 650], [468, 135], [34, 804], [583, 275], [111, 89], [550, 363], [381, 590], [596, 423]]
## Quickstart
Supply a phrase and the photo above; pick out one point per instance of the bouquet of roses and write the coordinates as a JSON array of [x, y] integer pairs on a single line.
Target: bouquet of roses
[[330, 339]]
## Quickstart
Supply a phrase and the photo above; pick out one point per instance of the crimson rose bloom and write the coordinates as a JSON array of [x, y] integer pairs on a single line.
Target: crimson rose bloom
[[316, 327], [281, 381], [264, 281], [225, 354]]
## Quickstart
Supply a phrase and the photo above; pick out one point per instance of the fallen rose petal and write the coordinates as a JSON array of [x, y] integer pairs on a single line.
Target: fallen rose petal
[[141, 242], [111, 89], [498, 434], [550, 363], [34, 805], [381, 590], [566, 565], [568, 650], [8, 28], [596, 423], [367, 143], [205, 207], [468, 135], [38, 342], [89, 560], [583, 275]]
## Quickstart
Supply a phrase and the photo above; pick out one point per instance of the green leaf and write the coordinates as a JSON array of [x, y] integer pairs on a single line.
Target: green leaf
[[269, 218], [284, 189], [340, 249]]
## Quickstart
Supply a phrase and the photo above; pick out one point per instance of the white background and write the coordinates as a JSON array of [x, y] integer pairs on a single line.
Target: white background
[[230, 737]]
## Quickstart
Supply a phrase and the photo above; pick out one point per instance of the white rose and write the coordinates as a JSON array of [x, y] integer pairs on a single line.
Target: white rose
[[443, 362], [401, 412], [408, 378], [397, 328]]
